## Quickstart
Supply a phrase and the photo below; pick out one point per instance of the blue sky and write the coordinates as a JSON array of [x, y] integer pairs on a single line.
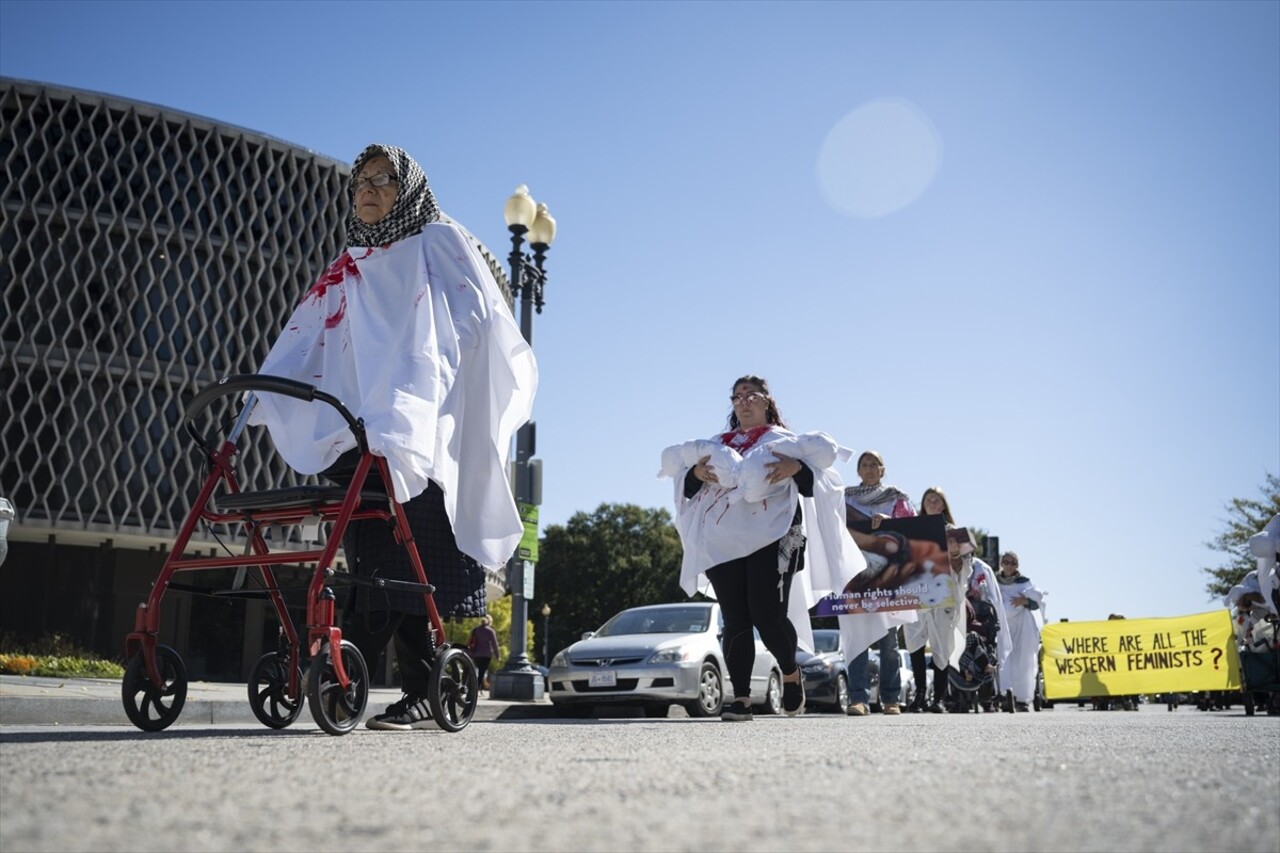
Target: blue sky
[[1027, 251]]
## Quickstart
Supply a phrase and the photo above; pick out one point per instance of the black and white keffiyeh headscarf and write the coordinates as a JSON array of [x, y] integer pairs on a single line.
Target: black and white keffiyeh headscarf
[[414, 206], [878, 497]]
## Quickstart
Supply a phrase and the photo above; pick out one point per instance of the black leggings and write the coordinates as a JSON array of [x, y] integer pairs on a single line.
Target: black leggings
[[919, 671], [482, 667], [747, 589], [371, 631]]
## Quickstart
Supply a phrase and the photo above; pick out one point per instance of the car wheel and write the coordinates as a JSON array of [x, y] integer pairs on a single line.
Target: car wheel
[[710, 693], [576, 711], [842, 694], [772, 696]]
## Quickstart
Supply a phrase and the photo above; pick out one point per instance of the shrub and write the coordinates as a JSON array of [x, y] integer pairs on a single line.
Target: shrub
[[60, 667], [18, 664], [78, 667], [54, 656]]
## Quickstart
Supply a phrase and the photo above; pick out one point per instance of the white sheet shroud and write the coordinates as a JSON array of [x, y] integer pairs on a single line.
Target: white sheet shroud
[[719, 524], [417, 339], [1018, 668], [1265, 546], [984, 578]]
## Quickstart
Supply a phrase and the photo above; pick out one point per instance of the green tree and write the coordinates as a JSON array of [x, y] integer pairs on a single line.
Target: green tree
[[619, 556], [1245, 517]]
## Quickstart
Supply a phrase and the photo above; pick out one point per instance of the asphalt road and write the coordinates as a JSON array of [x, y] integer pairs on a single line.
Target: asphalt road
[[1067, 779]]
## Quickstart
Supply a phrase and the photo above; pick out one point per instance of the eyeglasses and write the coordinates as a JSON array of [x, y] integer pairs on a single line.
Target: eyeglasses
[[1013, 563], [746, 398], [379, 181]]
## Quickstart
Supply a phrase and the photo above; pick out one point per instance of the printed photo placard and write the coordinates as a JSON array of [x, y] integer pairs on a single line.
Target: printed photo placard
[[909, 567]]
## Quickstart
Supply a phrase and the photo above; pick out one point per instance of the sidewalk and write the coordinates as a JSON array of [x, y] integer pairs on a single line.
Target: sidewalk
[[33, 700]]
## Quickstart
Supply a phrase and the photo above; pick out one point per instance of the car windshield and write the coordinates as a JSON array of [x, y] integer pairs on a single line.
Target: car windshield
[[826, 641], [666, 620]]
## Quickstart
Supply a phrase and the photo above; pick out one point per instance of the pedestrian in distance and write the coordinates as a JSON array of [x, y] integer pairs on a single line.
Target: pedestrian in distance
[[483, 645]]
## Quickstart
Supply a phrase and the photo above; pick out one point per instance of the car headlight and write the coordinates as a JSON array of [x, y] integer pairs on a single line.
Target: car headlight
[[561, 659], [676, 655], [815, 668]]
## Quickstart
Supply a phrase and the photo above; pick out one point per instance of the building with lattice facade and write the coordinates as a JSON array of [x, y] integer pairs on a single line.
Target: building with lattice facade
[[144, 253]]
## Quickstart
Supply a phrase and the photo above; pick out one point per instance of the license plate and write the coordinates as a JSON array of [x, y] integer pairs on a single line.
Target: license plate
[[607, 678]]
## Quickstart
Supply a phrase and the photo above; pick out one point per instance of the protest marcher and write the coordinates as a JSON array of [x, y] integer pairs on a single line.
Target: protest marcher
[[933, 502], [1265, 546], [408, 328], [943, 627], [739, 499], [872, 501], [984, 587], [1024, 616]]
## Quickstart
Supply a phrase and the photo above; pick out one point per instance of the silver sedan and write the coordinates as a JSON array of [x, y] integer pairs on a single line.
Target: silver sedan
[[657, 656]]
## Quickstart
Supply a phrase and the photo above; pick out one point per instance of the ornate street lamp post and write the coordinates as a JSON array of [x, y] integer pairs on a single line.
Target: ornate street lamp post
[[518, 679]]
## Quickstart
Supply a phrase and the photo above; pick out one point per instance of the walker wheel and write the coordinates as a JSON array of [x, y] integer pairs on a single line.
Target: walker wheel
[[453, 690], [336, 710], [269, 692], [150, 708]]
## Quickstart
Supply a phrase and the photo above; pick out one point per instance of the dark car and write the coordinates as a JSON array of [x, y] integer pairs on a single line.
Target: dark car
[[826, 681], [826, 674]]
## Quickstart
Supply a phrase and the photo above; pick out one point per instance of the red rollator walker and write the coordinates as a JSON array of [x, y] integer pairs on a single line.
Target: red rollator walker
[[336, 684]]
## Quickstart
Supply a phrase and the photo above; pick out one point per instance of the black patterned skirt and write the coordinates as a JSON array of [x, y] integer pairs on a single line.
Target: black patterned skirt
[[372, 551]]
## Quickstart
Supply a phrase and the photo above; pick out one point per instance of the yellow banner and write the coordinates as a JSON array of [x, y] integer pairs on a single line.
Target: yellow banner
[[1121, 657]]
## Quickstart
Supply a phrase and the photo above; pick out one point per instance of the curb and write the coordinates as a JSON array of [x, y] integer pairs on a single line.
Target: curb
[[26, 701], [30, 711]]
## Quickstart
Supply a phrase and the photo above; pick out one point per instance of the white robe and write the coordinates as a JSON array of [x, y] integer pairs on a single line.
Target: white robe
[[944, 628], [1018, 670], [1265, 546], [984, 579], [1252, 627], [723, 523], [416, 339]]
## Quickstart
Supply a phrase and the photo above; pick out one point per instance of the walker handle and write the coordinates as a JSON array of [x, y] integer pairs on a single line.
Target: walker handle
[[262, 383]]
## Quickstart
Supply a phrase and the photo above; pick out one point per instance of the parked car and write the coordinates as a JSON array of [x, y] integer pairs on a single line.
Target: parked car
[[657, 656], [825, 671], [826, 674]]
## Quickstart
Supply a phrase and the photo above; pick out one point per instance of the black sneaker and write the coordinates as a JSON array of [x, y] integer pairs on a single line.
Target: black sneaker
[[793, 696], [738, 712], [409, 713]]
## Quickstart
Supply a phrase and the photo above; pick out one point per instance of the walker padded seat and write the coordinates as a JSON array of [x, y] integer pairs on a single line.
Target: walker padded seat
[[294, 496]]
